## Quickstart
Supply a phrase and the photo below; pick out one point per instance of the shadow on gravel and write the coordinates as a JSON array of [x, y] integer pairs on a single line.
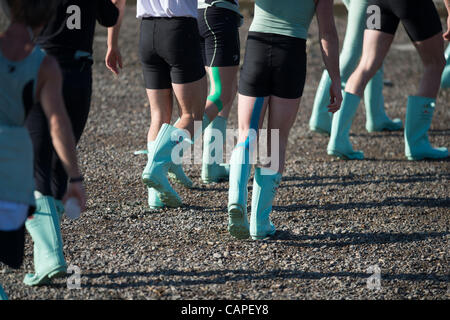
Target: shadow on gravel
[[193, 278], [351, 179], [353, 238], [384, 134], [389, 202]]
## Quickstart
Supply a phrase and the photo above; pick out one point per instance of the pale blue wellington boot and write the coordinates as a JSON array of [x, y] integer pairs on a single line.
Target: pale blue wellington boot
[[445, 81], [265, 185], [320, 120], [159, 163], [154, 202], [175, 173], [240, 167], [419, 114], [376, 118], [45, 231], [3, 295], [211, 170], [339, 144]]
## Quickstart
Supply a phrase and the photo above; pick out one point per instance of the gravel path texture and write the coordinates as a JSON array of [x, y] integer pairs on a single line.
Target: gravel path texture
[[335, 219]]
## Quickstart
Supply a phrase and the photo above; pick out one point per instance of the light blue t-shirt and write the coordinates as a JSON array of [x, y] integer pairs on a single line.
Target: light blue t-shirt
[[18, 81]]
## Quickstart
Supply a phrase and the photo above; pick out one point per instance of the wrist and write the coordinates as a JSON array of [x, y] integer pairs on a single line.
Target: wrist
[[76, 179]]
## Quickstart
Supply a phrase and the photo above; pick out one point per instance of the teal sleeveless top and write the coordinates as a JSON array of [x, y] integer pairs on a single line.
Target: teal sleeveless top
[[285, 17], [18, 81]]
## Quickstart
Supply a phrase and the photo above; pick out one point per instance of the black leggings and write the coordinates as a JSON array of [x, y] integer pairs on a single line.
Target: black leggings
[[50, 176], [419, 17]]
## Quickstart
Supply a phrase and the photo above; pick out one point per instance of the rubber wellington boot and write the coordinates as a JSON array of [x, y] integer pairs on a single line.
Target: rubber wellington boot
[[176, 171], [376, 118], [320, 120], [339, 144], [159, 162], [45, 231], [3, 295], [445, 81], [212, 150], [265, 184], [419, 114], [240, 167]]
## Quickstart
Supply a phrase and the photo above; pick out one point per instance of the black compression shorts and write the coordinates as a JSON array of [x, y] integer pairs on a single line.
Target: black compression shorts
[[273, 65], [219, 36], [170, 51], [419, 17]]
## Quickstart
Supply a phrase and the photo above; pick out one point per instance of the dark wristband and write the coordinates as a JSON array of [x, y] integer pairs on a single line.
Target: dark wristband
[[76, 179]]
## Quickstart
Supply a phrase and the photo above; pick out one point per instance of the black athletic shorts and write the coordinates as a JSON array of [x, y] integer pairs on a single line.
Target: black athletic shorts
[[273, 65], [170, 51], [219, 36], [419, 17]]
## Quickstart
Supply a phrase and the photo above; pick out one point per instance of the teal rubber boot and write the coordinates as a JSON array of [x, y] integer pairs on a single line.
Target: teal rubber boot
[[176, 172], [45, 231], [445, 81], [154, 201], [3, 295], [320, 120], [159, 163], [419, 114], [265, 185], [240, 167], [212, 150], [339, 144], [376, 118]]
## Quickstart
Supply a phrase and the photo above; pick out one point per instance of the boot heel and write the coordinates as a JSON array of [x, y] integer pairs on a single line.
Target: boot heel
[[58, 273], [238, 224]]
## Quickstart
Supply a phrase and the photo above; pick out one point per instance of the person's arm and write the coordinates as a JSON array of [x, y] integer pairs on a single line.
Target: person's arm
[[51, 99], [107, 13], [329, 44], [113, 59], [447, 34]]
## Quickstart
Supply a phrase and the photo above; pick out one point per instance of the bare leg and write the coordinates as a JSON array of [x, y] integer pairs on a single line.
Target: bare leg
[[431, 52], [282, 115], [375, 48], [161, 105], [191, 99], [223, 82], [250, 115]]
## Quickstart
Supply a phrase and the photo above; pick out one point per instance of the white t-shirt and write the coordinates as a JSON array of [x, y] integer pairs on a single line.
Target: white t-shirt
[[166, 8], [12, 215]]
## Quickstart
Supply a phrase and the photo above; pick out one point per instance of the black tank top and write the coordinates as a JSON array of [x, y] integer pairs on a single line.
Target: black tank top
[[72, 27]]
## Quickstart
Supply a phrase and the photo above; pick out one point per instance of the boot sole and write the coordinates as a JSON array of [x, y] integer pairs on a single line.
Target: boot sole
[[238, 228], [387, 128], [341, 155], [320, 131], [263, 237], [167, 198], [411, 158], [60, 272], [215, 180], [174, 178]]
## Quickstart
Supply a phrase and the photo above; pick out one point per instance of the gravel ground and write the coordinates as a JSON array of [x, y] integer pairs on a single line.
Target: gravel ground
[[335, 218]]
